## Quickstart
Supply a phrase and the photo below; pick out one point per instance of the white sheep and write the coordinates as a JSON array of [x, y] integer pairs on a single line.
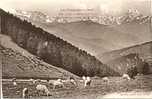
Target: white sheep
[[87, 81], [33, 81], [84, 78], [43, 89], [73, 82], [70, 81], [25, 93], [105, 79], [46, 43], [65, 81], [57, 83], [139, 74], [14, 83], [126, 76], [44, 81]]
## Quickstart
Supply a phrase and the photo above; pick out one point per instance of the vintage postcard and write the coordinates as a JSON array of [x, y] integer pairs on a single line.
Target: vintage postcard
[[75, 49]]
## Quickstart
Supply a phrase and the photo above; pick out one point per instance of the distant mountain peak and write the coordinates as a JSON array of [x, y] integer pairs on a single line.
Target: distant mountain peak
[[132, 15]]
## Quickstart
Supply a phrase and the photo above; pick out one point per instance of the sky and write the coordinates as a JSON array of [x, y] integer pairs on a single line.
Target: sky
[[53, 6]]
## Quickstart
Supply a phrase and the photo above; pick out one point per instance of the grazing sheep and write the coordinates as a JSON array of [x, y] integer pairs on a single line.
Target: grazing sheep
[[57, 83], [46, 43], [87, 81], [33, 81], [14, 83], [44, 81], [66, 81], [25, 93], [42, 88], [140, 74], [59, 80], [105, 79], [72, 81], [84, 78], [126, 76]]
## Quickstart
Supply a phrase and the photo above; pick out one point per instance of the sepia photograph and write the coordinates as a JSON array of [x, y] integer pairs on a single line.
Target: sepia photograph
[[75, 49]]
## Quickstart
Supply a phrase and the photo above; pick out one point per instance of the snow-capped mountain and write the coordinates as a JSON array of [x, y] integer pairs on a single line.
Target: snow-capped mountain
[[36, 16], [98, 34], [132, 15]]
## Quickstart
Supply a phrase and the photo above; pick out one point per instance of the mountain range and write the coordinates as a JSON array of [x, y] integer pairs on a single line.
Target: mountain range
[[132, 15], [96, 36]]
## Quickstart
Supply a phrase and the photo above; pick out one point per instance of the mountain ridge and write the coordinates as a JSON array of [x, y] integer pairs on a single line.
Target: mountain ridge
[[98, 38], [51, 48], [132, 15], [144, 51]]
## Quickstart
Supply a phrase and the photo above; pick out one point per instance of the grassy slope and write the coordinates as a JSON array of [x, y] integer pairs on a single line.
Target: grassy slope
[[97, 89], [19, 64]]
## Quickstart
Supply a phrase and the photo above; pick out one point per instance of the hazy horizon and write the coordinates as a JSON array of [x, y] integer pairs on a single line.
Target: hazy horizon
[[52, 7]]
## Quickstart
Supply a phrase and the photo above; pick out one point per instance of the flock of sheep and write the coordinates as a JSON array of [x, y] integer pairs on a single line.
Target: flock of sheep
[[42, 88]]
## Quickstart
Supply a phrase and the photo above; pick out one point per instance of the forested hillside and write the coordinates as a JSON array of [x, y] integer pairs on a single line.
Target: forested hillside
[[138, 55], [50, 48]]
